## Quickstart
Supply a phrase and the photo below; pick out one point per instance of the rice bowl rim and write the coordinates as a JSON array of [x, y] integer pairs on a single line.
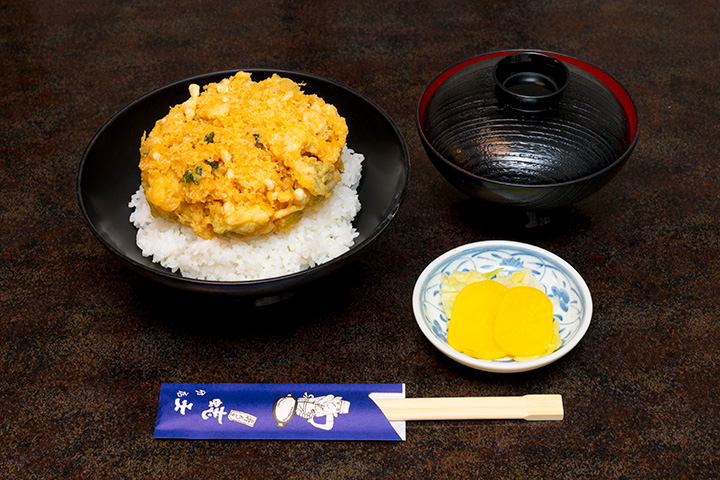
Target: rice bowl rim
[[265, 285]]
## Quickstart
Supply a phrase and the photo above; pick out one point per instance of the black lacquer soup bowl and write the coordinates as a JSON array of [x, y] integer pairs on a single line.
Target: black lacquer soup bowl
[[524, 129]]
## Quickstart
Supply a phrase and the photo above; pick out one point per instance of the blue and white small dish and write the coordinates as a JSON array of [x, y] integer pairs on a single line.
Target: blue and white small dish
[[570, 296]]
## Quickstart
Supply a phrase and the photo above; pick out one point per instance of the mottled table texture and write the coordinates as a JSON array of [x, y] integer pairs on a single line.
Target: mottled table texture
[[85, 342]]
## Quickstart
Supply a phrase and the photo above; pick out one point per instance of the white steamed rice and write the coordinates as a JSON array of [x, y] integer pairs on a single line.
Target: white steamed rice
[[320, 235]]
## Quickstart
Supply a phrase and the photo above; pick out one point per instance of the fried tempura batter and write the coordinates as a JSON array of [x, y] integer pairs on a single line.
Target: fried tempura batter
[[242, 157]]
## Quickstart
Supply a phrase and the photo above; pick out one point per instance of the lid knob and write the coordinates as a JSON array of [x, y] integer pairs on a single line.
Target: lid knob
[[530, 81]]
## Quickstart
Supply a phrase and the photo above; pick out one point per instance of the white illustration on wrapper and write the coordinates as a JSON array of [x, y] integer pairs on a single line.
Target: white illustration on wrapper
[[242, 417], [215, 410], [310, 408]]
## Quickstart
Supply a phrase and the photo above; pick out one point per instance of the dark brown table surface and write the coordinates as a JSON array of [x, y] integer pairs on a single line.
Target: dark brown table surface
[[85, 342]]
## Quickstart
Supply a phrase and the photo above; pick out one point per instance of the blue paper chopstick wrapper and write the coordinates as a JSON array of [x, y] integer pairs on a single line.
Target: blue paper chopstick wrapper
[[276, 411]]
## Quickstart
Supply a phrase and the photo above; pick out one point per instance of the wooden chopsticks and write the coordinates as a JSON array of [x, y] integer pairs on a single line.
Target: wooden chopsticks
[[527, 407]]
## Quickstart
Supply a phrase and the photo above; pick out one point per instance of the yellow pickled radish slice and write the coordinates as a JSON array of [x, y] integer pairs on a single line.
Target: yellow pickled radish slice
[[470, 329], [524, 322]]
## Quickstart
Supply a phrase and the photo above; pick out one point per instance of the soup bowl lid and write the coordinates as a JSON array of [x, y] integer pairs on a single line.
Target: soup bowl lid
[[524, 117]]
